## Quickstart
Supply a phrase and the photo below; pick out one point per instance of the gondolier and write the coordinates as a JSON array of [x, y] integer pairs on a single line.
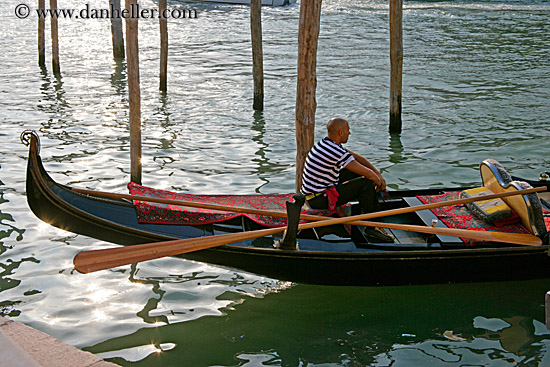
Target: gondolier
[[334, 175]]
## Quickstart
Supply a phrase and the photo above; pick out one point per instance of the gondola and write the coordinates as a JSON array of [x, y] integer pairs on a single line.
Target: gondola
[[334, 255]]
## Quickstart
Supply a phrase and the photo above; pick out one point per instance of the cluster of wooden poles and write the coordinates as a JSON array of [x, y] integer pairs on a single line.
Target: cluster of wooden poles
[[309, 26], [131, 52], [116, 30]]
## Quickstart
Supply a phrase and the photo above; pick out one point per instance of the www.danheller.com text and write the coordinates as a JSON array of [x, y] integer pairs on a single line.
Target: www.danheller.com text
[[135, 11]]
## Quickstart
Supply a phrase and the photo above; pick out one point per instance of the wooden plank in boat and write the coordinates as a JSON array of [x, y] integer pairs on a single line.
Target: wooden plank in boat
[[427, 216], [405, 237]]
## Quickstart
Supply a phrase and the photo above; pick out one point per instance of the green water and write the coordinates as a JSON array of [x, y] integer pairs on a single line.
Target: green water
[[475, 85], [307, 325]]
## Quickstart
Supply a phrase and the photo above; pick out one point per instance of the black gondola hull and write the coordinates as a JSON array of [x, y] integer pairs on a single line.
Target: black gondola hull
[[115, 221]]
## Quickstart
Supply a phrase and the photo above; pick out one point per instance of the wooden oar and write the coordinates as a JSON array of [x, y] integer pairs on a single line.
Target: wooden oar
[[94, 260], [89, 261], [309, 217], [515, 238]]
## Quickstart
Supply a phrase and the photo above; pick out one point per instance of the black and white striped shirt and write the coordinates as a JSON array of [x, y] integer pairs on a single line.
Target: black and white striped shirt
[[323, 164]]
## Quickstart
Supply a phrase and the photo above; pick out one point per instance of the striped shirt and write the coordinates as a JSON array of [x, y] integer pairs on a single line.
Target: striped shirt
[[323, 164]]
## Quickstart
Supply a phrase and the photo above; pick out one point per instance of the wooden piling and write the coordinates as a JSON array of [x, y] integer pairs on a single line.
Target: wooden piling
[[116, 29], [163, 46], [41, 36], [55, 39], [308, 35], [257, 53], [396, 64], [132, 61]]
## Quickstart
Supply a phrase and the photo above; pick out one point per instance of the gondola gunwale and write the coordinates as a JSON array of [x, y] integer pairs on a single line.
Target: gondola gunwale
[[39, 180]]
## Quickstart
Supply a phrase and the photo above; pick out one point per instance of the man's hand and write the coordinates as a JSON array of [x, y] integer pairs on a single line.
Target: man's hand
[[382, 185]]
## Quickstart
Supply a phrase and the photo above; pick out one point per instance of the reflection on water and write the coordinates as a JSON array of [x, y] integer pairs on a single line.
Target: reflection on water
[[396, 149], [515, 333], [306, 325], [259, 127], [53, 94], [516, 341], [7, 265], [475, 81], [7, 229], [118, 77], [264, 166]]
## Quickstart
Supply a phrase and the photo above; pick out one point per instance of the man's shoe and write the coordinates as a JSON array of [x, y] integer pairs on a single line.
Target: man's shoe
[[377, 234]]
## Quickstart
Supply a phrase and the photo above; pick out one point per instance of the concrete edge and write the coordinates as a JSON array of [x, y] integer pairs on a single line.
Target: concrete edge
[[25, 346]]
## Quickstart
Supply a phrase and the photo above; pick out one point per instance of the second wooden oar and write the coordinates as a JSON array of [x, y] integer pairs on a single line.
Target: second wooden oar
[[505, 237], [89, 261]]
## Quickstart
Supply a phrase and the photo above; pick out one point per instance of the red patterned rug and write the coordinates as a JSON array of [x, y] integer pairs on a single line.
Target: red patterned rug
[[173, 214], [458, 216]]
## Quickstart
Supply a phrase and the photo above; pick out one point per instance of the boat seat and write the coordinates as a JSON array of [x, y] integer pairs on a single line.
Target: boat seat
[[427, 216], [495, 178], [528, 207]]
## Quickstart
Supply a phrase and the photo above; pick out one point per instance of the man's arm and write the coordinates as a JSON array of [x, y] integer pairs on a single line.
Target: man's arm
[[364, 161], [362, 166]]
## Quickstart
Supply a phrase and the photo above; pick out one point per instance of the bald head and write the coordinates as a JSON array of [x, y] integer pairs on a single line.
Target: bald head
[[336, 124], [338, 130]]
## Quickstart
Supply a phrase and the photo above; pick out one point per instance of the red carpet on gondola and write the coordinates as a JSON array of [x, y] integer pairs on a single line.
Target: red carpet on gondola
[[173, 214]]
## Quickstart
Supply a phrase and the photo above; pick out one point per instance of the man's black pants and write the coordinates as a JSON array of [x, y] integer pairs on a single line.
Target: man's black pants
[[351, 187]]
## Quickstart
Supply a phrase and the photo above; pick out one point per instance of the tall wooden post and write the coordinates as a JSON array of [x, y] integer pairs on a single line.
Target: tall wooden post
[[308, 35], [396, 64], [132, 60], [116, 29], [41, 37], [257, 53], [55, 39], [163, 46]]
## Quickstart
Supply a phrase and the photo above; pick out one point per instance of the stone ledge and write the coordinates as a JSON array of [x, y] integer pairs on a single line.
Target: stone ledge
[[21, 342]]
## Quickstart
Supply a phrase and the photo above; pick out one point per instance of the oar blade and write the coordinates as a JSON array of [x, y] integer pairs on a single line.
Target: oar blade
[[94, 260], [516, 238]]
